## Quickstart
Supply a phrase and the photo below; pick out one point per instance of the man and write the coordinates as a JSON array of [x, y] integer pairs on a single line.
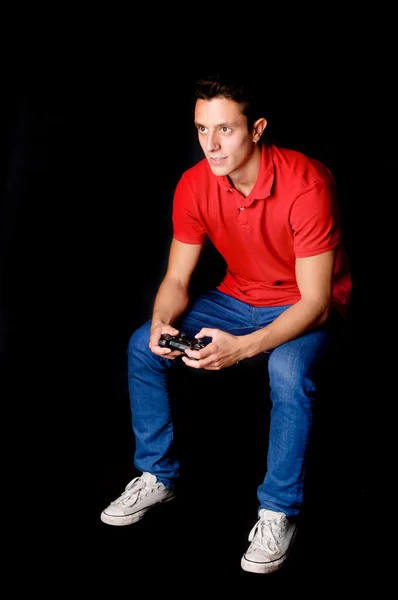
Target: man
[[272, 214]]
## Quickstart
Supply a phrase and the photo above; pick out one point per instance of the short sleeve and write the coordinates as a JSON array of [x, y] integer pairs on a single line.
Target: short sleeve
[[187, 225], [315, 219]]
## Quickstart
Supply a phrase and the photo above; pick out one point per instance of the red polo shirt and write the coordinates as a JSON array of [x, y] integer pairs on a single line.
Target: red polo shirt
[[290, 213]]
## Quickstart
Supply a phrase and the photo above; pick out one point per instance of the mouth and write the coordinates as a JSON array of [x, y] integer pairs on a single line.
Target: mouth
[[217, 159]]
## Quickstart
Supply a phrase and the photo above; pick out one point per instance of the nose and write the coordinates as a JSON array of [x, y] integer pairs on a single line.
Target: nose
[[212, 142]]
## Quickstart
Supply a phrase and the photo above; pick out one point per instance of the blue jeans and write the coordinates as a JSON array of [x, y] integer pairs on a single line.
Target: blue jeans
[[292, 377]]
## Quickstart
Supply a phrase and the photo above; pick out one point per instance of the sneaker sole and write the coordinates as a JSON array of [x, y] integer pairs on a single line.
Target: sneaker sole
[[133, 518], [262, 568], [265, 568]]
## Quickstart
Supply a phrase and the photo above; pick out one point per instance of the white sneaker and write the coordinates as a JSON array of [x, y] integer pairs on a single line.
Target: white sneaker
[[271, 539], [141, 494]]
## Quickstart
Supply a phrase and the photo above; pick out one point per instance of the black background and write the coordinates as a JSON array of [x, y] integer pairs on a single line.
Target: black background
[[90, 155]]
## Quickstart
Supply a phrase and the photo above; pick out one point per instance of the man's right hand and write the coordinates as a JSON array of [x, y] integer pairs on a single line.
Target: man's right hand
[[156, 332]]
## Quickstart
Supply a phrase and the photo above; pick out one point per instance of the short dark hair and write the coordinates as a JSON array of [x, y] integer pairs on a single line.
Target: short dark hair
[[234, 87]]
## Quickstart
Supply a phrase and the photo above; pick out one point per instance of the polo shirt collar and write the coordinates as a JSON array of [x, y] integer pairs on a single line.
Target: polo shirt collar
[[265, 179]]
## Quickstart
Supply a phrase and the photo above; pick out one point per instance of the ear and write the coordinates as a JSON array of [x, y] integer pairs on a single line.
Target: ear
[[258, 129]]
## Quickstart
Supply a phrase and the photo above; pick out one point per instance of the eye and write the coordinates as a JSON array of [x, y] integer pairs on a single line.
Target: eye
[[202, 129], [226, 129]]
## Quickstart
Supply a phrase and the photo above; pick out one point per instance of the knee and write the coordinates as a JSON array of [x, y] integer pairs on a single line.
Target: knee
[[286, 371], [140, 339]]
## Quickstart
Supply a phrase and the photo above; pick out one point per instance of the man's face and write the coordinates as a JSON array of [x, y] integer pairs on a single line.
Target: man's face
[[223, 135]]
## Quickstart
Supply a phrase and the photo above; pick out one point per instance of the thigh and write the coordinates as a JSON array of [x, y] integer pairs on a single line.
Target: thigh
[[217, 311], [300, 357]]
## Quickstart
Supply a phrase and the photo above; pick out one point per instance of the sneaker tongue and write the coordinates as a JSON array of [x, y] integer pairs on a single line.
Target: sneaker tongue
[[149, 478], [270, 514]]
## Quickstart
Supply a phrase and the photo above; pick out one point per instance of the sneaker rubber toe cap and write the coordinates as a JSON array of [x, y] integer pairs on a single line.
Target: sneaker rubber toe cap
[[113, 511]]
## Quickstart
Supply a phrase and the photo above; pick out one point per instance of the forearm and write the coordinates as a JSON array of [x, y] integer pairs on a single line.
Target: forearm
[[293, 322], [170, 302]]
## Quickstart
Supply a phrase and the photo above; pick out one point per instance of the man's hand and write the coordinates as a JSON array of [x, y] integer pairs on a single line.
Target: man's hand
[[223, 351], [156, 332]]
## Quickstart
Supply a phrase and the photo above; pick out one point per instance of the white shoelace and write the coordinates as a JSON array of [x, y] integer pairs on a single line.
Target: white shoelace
[[265, 534], [133, 488]]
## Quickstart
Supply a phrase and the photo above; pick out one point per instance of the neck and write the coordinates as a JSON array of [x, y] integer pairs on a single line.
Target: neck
[[245, 179]]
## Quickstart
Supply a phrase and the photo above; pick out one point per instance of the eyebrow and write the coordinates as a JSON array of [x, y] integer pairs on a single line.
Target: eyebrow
[[226, 124]]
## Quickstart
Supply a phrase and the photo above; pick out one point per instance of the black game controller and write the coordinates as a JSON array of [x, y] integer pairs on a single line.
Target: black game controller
[[180, 342]]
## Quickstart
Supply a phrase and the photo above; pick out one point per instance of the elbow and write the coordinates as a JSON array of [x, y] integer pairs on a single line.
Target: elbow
[[322, 319], [324, 312]]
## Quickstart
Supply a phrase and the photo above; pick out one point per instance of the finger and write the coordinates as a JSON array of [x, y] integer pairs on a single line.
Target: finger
[[191, 362], [161, 351], [193, 354], [205, 332]]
